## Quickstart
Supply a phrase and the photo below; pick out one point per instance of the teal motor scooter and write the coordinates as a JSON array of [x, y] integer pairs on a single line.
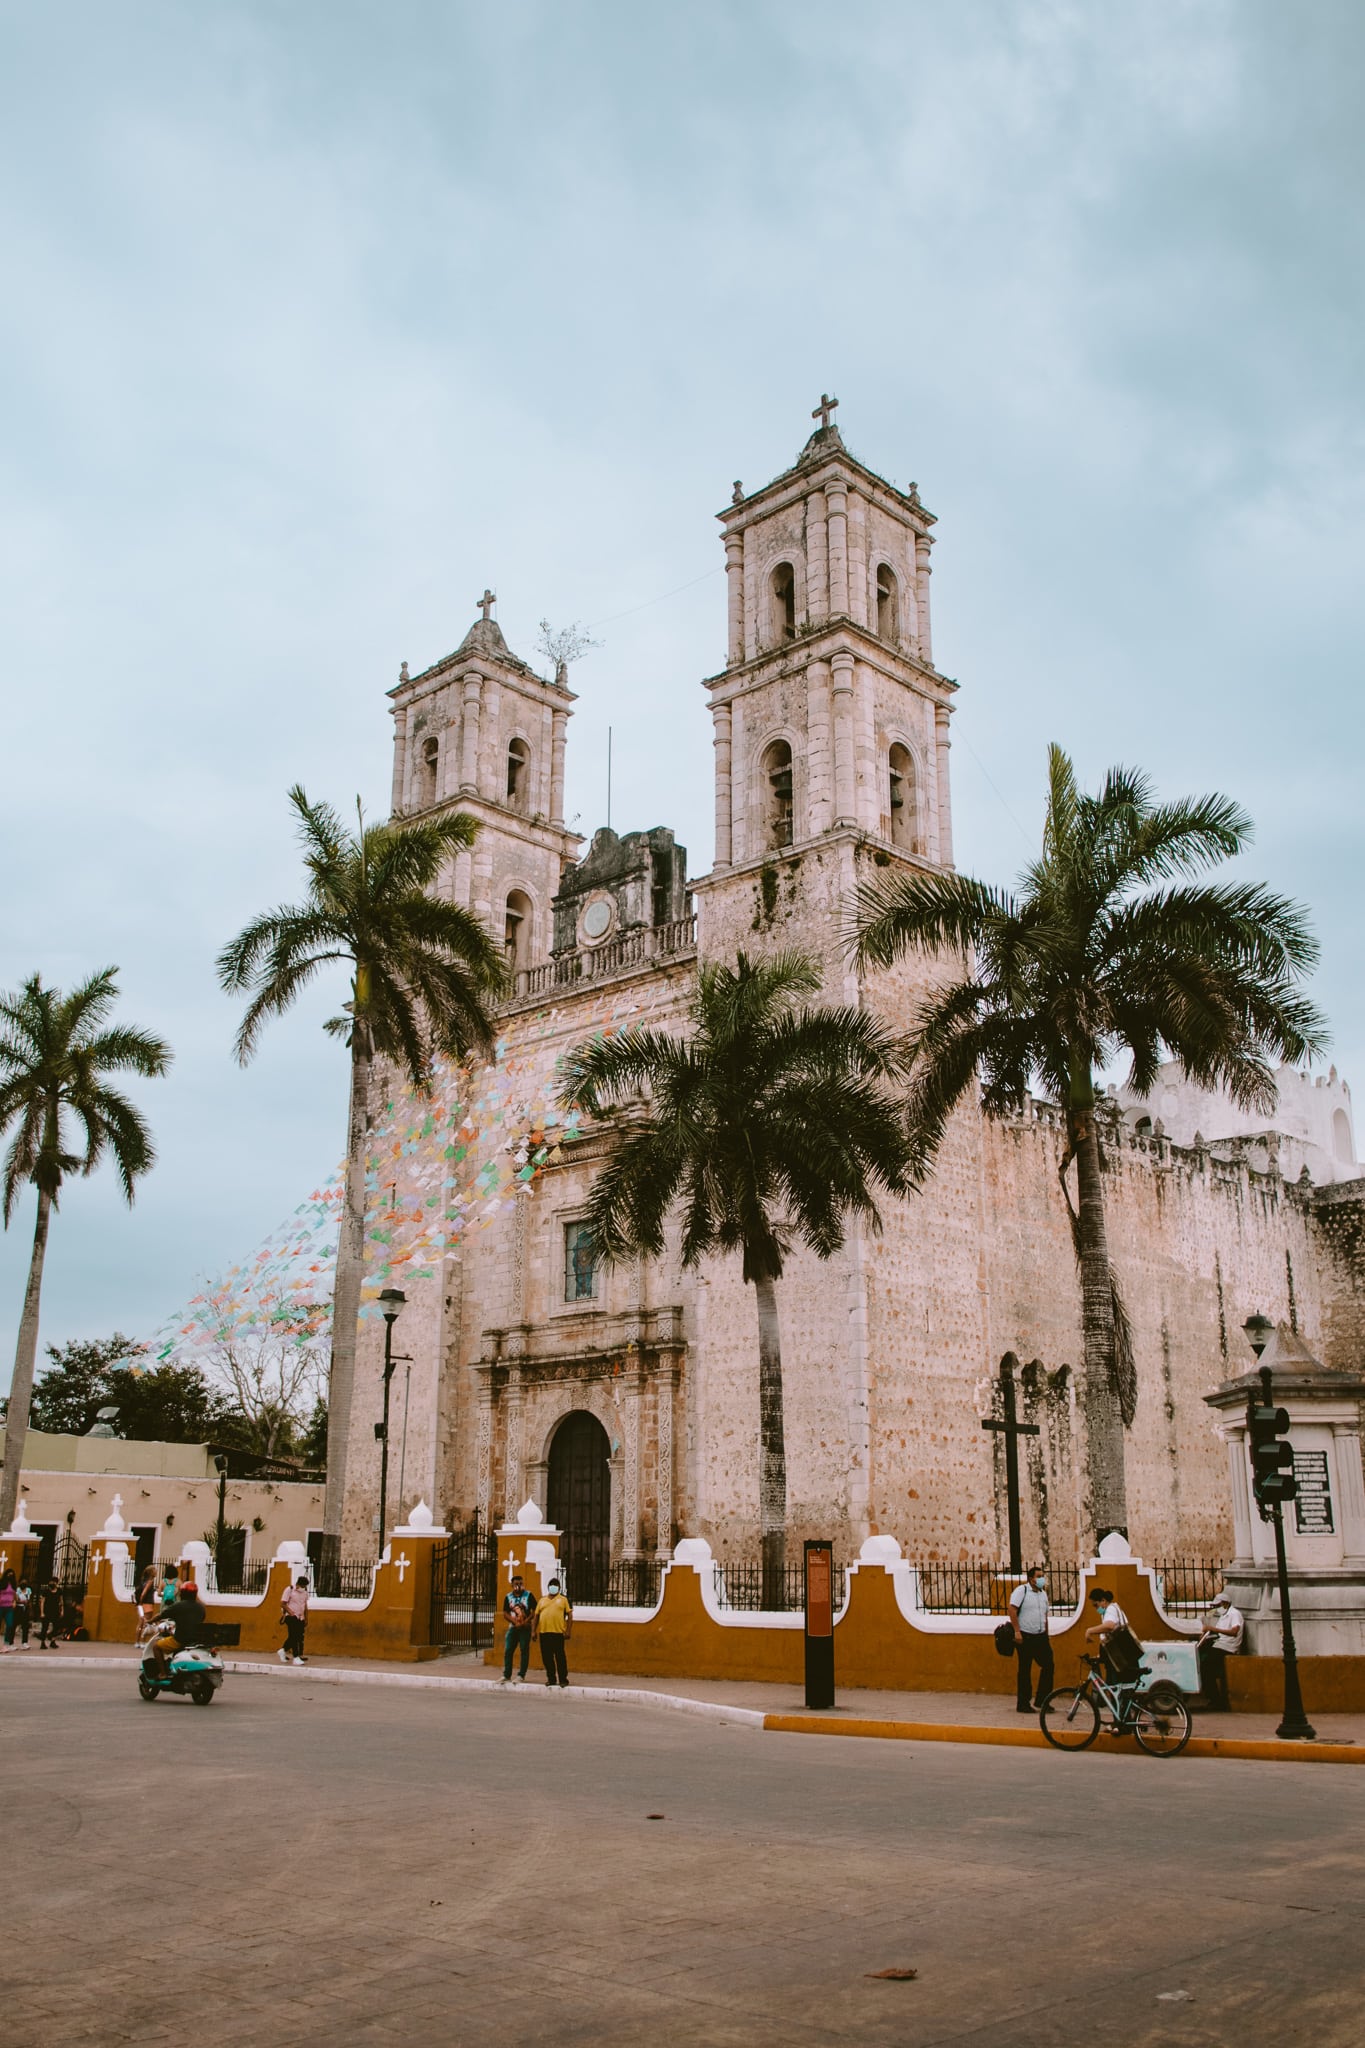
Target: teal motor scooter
[[196, 1672]]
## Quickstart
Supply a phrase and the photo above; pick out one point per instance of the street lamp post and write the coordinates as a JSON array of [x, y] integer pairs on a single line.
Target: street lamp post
[[1266, 1424], [391, 1301], [220, 1464]]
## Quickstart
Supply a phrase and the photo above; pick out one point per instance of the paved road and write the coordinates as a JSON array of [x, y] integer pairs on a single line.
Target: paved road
[[346, 1865]]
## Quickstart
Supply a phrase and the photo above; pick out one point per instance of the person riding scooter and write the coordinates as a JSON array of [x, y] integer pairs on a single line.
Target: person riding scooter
[[189, 1617]]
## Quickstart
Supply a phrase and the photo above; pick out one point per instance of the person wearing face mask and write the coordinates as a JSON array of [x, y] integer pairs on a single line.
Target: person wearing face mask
[[1028, 1616]]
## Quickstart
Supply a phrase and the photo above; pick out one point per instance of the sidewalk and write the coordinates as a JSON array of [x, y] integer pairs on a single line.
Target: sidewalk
[[907, 1716]]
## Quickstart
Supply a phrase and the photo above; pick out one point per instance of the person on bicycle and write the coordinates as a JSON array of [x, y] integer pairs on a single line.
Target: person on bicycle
[[1111, 1620]]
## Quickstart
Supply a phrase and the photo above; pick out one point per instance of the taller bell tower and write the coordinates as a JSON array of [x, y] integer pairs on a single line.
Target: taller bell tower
[[831, 721], [481, 732]]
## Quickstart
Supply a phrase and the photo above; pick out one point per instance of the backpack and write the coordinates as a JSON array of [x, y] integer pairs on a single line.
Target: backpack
[[1004, 1639], [1123, 1656]]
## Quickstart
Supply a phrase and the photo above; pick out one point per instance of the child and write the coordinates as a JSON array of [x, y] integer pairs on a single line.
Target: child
[[294, 1615], [23, 1608]]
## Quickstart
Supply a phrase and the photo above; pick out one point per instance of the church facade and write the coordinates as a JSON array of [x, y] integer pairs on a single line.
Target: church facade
[[624, 1401]]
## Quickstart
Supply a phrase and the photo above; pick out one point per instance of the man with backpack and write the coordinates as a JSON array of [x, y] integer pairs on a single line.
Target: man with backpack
[[1028, 1618]]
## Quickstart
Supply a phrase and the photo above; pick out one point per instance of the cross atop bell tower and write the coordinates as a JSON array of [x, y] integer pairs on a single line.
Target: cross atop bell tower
[[830, 717]]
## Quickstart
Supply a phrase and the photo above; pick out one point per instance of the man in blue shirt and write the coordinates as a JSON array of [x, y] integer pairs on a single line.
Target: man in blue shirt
[[1028, 1616]]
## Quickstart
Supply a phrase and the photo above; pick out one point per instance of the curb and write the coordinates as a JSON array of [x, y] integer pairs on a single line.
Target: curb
[[1244, 1749], [1270, 1750]]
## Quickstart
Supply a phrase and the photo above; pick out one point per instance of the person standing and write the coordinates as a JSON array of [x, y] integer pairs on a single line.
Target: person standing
[[1029, 1611], [146, 1593], [49, 1615], [23, 1609], [552, 1622], [1222, 1638], [294, 1615], [518, 1610], [8, 1600]]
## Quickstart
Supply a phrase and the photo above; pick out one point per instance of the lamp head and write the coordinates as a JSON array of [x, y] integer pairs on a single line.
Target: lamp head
[[391, 1300], [1259, 1331]]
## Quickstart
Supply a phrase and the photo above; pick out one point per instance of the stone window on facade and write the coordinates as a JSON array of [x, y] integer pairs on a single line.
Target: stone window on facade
[[426, 772], [784, 602], [516, 930], [888, 604], [518, 773], [580, 1264], [777, 792], [901, 797]]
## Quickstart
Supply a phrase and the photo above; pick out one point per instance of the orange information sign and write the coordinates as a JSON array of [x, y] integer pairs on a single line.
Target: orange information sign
[[819, 1591]]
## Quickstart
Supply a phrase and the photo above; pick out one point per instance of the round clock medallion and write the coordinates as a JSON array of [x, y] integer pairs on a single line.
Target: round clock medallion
[[596, 919]]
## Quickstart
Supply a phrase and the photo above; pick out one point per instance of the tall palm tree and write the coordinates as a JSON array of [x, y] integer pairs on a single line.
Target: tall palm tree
[[1104, 950], [768, 1125], [422, 973], [55, 1052]]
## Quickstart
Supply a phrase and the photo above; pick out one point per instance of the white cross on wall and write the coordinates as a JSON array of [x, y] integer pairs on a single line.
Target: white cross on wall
[[513, 1564], [400, 1565], [4, 1559]]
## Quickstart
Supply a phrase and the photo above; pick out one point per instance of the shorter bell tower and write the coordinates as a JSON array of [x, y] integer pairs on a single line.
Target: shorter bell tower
[[481, 732]]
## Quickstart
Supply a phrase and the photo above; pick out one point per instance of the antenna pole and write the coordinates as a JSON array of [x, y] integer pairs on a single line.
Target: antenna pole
[[609, 778]]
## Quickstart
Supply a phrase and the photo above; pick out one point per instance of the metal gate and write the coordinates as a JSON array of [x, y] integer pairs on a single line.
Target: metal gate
[[464, 1588]]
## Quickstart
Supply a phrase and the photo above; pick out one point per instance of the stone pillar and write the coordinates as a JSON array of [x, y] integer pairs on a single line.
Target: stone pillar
[[845, 788], [492, 769], [869, 793], [665, 1387], [469, 738], [400, 759], [724, 835], [836, 498], [817, 557], [857, 557], [819, 765], [560, 722], [513, 1402], [943, 785], [922, 574], [734, 584], [482, 882], [483, 1442], [632, 1389]]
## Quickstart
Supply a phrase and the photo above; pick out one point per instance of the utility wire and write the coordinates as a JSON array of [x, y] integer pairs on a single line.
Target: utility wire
[[631, 610]]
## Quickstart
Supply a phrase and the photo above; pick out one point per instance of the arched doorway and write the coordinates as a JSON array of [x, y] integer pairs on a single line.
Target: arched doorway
[[579, 1502]]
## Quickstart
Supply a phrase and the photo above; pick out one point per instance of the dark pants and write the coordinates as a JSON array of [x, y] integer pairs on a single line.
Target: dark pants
[[1031, 1650], [294, 1626], [47, 1631], [553, 1658], [1213, 1677], [518, 1639]]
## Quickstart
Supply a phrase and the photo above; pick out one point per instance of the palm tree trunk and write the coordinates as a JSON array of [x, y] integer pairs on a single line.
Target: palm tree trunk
[[1100, 1394], [350, 1273], [772, 1445], [25, 1357]]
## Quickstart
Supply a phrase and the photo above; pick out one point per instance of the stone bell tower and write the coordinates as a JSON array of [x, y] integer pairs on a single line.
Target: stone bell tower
[[831, 721], [481, 732]]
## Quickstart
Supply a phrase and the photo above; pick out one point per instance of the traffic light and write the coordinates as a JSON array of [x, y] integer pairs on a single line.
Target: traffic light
[[1272, 1458]]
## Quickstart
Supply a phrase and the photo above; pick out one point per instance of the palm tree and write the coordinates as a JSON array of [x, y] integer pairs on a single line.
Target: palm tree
[[55, 1052], [767, 1125], [1104, 950], [422, 972]]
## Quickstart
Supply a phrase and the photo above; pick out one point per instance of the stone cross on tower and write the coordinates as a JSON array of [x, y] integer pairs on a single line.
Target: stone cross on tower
[[823, 410], [489, 599]]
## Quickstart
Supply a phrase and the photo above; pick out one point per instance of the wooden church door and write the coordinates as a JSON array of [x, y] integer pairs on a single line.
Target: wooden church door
[[580, 1503]]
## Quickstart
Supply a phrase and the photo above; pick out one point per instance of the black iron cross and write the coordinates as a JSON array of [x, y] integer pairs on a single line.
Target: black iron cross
[[823, 410], [1011, 1429], [487, 602]]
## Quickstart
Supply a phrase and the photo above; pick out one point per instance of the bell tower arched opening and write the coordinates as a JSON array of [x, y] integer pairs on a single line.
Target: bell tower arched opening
[[901, 798], [578, 1502], [777, 793], [888, 604], [783, 587]]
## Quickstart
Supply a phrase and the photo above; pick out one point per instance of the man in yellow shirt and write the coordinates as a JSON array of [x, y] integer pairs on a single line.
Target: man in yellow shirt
[[552, 1623]]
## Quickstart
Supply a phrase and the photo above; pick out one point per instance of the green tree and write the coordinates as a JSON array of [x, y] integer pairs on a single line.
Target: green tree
[[169, 1403], [56, 1052], [1104, 950], [422, 974], [768, 1126], [74, 1385]]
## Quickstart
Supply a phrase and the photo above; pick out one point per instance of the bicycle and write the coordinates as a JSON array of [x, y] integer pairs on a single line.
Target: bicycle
[[1072, 1715]]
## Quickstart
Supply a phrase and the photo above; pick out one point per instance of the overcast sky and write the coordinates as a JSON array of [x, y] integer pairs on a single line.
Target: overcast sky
[[319, 316]]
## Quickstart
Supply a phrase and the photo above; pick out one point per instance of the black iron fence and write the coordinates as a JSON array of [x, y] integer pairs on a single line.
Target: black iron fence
[[985, 1588], [739, 1584], [464, 1587], [625, 1582], [1186, 1585]]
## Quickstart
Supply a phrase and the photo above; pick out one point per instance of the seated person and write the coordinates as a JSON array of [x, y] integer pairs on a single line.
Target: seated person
[[1221, 1639], [189, 1616]]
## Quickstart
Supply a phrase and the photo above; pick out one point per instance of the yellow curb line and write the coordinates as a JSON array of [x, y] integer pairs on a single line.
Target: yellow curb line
[[1267, 1751]]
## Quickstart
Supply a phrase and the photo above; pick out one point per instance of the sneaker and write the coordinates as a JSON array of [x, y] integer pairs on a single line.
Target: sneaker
[[504, 1681], [300, 1660], [284, 1656]]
